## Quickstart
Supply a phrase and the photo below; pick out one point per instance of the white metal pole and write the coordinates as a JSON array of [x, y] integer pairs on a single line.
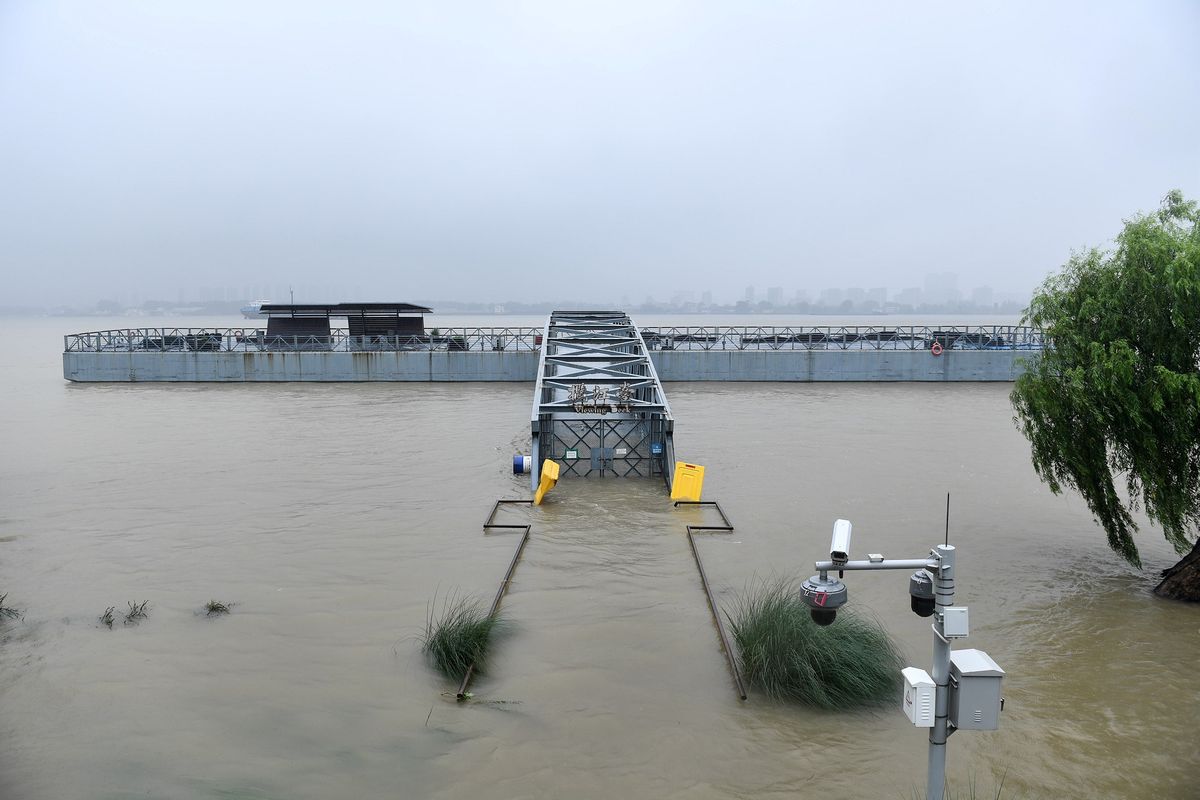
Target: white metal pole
[[943, 588]]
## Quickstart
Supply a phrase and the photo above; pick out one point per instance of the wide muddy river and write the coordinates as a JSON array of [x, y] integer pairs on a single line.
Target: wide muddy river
[[332, 516]]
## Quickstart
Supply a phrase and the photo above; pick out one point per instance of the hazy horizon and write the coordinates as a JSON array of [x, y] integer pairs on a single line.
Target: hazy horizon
[[535, 151]]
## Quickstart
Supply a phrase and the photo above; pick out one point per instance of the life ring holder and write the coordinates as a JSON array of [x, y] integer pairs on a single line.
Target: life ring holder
[[239, 334], [936, 349]]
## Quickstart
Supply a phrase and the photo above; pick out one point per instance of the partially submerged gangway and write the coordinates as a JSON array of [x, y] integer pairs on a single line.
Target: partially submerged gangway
[[599, 409]]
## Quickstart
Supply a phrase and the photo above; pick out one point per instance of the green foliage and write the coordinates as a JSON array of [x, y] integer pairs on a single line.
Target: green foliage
[[852, 662], [1116, 392], [458, 637]]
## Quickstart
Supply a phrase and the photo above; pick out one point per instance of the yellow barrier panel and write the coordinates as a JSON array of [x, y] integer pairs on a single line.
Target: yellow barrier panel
[[548, 479], [688, 481]]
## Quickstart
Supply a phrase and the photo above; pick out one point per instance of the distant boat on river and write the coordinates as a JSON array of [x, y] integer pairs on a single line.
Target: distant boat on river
[[253, 310]]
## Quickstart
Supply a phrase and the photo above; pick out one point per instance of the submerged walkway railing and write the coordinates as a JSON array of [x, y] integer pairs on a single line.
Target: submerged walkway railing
[[725, 527], [489, 526], [518, 339]]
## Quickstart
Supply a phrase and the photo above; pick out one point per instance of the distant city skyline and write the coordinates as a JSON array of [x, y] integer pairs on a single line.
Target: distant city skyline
[[546, 150], [939, 291]]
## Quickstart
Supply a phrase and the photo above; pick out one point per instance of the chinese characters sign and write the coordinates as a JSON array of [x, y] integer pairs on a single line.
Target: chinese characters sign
[[595, 400]]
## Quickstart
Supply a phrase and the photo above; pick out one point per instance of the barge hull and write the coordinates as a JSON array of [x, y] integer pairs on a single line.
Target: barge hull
[[803, 366]]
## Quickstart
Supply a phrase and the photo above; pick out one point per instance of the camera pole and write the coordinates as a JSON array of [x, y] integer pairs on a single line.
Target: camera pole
[[943, 587], [823, 592]]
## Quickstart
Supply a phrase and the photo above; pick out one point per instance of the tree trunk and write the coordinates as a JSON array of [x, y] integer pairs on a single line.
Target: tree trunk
[[1182, 581]]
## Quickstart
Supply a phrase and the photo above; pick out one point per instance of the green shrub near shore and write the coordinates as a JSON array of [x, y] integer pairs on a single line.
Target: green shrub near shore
[[851, 663], [458, 636]]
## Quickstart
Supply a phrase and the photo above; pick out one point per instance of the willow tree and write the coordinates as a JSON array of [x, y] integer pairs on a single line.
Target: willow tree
[[1115, 395]]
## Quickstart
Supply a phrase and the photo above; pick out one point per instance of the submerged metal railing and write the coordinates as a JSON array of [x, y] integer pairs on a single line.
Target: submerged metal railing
[[491, 526], [720, 337], [725, 527]]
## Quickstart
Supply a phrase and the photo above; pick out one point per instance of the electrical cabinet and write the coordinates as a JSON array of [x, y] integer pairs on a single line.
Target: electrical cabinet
[[974, 691]]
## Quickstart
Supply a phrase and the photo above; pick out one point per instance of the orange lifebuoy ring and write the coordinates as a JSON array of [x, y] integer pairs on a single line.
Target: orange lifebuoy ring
[[936, 349]]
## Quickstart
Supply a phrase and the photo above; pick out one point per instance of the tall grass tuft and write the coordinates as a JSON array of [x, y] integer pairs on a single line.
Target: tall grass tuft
[[971, 791], [136, 612], [214, 608], [458, 636], [852, 662], [7, 612]]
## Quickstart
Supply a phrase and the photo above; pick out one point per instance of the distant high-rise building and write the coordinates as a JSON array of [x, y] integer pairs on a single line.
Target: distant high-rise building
[[983, 296], [941, 288], [856, 295], [775, 295], [706, 298], [832, 297], [749, 294]]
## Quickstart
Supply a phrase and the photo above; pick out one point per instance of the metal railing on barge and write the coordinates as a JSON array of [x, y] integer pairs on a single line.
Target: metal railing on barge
[[722, 337], [247, 340]]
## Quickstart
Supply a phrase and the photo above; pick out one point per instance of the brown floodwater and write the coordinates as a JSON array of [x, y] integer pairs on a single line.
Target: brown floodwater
[[332, 516]]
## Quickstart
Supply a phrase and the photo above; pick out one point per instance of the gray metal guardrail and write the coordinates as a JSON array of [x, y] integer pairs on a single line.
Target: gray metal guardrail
[[820, 337], [249, 340]]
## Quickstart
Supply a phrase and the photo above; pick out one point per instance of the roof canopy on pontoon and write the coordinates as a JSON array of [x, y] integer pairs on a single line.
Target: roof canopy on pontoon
[[363, 319]]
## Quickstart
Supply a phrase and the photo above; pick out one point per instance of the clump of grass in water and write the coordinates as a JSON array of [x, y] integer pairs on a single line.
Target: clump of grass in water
[[852, 662], [970, 792], [136, 612], [7, 612], [107, 617], [214, 609], [458, 637]]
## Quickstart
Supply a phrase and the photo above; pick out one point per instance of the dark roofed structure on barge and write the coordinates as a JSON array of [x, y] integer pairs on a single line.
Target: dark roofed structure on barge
[[363, 319]]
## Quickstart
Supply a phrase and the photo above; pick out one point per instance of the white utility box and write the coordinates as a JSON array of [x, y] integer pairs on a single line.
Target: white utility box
[[974, 691], [954, 622], [919, 699]]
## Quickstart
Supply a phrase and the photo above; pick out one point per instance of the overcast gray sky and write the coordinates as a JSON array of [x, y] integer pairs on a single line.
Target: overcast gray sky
[[545, 150]]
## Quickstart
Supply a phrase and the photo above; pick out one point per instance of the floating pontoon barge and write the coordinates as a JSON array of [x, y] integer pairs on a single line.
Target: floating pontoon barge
[[389, 342]]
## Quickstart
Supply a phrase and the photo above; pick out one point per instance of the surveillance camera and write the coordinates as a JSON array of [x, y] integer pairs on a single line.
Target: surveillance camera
[[839, 546], [920, 587], [823, 596]]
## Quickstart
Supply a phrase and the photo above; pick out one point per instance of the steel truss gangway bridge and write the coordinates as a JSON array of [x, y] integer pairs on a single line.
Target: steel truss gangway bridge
[[598, 406]]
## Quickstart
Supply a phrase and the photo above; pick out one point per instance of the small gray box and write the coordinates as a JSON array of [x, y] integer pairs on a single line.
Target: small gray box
[[974, 691]]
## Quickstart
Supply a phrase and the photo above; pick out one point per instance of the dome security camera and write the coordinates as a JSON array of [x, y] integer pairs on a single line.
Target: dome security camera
[[920, 587], [823, 596]]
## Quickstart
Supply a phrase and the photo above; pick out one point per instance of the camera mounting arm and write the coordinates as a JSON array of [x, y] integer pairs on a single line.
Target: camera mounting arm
[[931, 563]]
